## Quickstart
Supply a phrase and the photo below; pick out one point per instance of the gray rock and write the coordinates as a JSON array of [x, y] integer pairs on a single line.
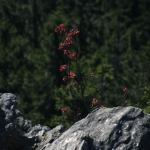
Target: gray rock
[[119, 128], [17, 133]]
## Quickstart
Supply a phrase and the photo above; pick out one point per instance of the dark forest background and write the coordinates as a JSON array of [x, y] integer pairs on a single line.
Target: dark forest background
[[114, 43]]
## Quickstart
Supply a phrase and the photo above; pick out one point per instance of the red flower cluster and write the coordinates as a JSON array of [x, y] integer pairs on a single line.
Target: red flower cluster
[[125, 90], [71, 56], [72, 75], [62, 68], [61, 29], [95, 101], [102, 106], [125, 101], [75, 83], [64, 79], [64, 110], [71, 84], [61, 46], [68, 41], [67, 52], [73, 32]]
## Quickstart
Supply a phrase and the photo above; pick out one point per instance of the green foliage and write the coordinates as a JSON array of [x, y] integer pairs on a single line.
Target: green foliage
[[113, 42], [144, 103], [24, 60], [62, 98]]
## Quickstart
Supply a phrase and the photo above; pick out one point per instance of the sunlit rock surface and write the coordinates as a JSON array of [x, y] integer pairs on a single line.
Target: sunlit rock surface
[[119, 128]]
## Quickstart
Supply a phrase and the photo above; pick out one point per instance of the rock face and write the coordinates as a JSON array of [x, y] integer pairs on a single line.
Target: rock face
[[17, 133], [119, 128]]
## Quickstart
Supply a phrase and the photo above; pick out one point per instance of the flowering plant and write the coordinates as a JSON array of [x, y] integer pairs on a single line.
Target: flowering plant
[[72, 74], [75, 81]]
